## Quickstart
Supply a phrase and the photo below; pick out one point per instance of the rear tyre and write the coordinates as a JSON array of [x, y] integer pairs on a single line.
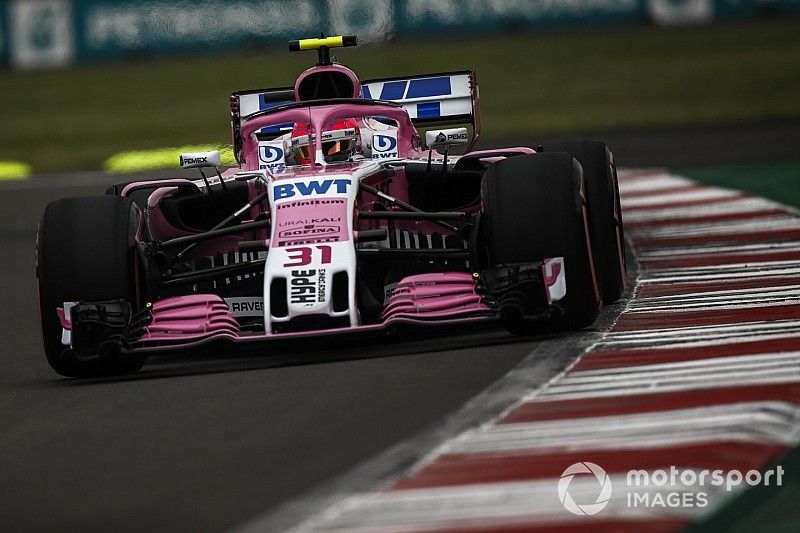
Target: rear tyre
[[535, 209], [85, 251], [605, 215]]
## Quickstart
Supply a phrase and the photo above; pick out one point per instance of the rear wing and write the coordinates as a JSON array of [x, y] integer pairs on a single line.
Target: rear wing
[[431, 100]]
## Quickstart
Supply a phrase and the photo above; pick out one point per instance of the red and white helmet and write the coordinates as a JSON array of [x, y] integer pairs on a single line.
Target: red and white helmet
[[340, 140]]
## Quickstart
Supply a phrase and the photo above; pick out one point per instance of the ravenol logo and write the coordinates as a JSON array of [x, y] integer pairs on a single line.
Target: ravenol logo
[[311, 188], [384, 146], [584, 469], [271, 157]]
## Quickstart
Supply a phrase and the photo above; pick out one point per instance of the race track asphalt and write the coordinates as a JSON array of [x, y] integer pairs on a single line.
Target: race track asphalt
[[201, 444]]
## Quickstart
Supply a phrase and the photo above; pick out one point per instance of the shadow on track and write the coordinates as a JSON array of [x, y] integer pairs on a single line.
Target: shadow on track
[[297, 352]]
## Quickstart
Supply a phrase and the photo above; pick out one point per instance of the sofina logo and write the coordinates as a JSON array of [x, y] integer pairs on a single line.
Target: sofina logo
[[384, 146], [584, 469]]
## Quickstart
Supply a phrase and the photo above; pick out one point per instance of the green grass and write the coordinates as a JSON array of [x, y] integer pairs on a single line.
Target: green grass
[[551, 83], [778, 180], [770, 508]]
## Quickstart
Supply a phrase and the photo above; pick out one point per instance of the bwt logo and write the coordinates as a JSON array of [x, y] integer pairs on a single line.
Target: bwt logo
[[311, 188], [271, 158], [384, 146], [270, 154]]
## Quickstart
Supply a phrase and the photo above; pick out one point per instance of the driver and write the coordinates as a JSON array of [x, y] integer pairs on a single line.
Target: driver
[[341, 141]]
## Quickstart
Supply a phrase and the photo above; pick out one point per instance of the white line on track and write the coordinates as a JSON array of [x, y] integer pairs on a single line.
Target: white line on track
[[691, 251], [661, 335], [743, 205], [715, 296], [719, 305], [659, 198], [734, 363], [772, 422], [572, 387], [494, 506], [714, 228], [767, 269], [659, 182]]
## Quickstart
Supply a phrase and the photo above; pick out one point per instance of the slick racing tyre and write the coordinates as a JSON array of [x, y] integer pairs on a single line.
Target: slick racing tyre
[[85, 251], [605, 215], [536, 209]]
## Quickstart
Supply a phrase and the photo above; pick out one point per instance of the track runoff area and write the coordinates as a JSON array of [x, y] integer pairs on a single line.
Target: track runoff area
[[688, 400]]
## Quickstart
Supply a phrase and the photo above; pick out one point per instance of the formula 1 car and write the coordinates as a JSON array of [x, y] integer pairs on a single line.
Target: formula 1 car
[[339, 220]]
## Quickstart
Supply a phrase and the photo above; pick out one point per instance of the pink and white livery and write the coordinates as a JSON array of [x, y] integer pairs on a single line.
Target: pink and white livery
[[340, 219]]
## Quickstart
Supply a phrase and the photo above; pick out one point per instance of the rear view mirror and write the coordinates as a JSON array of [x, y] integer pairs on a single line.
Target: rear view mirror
[[201, 159], [446, 138]]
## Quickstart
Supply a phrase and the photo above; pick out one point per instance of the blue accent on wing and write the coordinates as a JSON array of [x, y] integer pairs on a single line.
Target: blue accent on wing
[[263, 104], [393, 90], [429, 110], [365, 92], [429, 87], [278, 128]]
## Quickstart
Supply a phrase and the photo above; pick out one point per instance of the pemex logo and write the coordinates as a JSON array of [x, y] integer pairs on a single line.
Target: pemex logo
[[584, 469]]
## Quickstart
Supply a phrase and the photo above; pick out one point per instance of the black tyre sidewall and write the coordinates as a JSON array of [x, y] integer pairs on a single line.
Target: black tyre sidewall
[[84, 252], [605, 216], [536, 210]]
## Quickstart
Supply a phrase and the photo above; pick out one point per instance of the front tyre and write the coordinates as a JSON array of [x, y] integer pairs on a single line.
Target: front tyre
[[605, 214], [535, 209], [85, 251]]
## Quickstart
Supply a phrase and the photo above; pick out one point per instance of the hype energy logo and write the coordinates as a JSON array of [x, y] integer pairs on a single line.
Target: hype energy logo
[[271, 156], [585, 470], [384, 145]]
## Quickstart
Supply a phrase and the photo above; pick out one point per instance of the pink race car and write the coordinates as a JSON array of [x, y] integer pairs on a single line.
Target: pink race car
[[341, 219]]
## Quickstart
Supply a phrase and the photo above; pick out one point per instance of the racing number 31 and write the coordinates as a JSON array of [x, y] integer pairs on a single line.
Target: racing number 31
[[303, 255]]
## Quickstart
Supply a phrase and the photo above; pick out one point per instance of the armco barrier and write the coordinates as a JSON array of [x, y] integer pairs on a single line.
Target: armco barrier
[[47, 33]]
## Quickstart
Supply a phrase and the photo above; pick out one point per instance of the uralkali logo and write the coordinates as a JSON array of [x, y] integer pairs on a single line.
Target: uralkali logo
[[585, 469]]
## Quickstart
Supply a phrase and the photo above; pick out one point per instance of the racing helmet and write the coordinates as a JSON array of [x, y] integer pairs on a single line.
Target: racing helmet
[[340, 140]]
